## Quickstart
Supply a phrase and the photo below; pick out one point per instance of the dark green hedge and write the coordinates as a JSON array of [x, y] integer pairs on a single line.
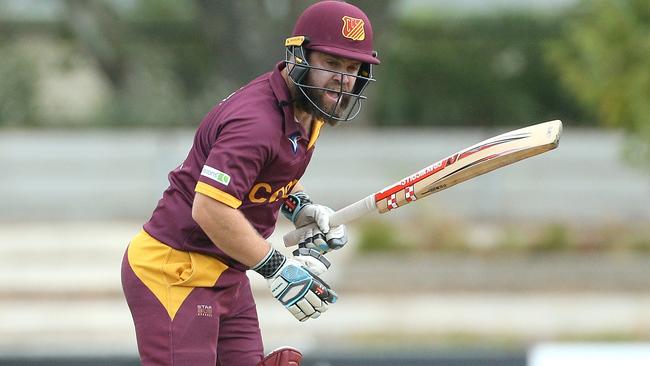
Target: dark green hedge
[[482, 70]]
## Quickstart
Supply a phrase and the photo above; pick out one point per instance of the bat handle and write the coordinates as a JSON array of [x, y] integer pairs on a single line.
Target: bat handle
[[293, 237], [340, 217]]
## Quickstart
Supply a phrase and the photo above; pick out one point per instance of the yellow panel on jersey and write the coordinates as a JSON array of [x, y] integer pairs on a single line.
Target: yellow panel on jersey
[[315, 132], [169, 273], [217, 194]]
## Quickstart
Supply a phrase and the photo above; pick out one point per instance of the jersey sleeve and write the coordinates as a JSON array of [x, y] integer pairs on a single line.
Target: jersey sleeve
[[236, 157]]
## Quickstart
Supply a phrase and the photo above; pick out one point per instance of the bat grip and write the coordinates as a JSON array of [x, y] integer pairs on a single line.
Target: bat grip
[[340, 217]]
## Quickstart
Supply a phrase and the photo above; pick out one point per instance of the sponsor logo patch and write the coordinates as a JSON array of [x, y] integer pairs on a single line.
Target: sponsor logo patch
[[216, 175], [204, 310], [353, 28]]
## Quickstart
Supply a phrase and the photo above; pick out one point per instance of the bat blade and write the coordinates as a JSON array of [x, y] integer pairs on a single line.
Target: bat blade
[[466, 164], [471, 162]]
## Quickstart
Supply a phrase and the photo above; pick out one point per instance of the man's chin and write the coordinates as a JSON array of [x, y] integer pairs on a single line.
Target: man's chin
[[330, 119], [336, 112]]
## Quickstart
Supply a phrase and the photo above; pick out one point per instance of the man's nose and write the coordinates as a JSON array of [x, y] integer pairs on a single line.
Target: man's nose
[[343, 79]]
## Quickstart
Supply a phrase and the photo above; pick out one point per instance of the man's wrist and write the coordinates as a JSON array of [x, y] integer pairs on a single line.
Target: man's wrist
[[294, 203], [270, 264]]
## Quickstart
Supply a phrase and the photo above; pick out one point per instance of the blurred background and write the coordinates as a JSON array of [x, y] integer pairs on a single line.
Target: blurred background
[[541, 263]]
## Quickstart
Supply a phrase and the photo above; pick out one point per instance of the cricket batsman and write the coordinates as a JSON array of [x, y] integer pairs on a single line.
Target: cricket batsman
[[184, 275]]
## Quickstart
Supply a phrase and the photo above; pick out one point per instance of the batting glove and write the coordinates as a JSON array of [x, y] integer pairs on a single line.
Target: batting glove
[[300, 291], [300, 210]]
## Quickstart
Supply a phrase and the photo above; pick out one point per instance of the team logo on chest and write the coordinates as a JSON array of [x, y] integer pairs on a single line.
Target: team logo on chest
[[264, 193]]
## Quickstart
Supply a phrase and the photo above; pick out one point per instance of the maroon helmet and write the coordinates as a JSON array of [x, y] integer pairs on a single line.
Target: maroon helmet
[[339, 29]]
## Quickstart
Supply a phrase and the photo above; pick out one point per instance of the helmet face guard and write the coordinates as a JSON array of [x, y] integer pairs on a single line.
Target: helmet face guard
[[300, 67]]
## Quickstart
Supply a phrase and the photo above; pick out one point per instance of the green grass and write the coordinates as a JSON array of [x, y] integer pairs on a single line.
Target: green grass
[[433, 234]]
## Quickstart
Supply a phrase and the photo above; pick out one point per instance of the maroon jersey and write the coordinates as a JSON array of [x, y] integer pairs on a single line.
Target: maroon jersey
[[248, 153]]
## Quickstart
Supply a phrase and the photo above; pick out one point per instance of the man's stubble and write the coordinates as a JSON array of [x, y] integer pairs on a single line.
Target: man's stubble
[[301, 102]]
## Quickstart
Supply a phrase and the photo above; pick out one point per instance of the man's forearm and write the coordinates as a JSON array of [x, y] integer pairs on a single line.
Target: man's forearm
[[229, 230], [297, 187]]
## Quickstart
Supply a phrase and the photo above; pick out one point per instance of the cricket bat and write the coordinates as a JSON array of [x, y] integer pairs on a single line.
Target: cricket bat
[[468, 163]]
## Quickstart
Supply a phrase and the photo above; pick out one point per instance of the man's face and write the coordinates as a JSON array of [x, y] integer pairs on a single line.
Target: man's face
[[330, 101]]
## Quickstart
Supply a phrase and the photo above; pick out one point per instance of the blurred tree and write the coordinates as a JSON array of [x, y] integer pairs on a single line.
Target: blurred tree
[[603, 58], [153, 55], [18, 87], [168, 62], [480, 70], [98, 30]]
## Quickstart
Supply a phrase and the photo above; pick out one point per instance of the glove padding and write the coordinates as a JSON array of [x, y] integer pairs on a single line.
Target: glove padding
[[312, 259], [315, 238], [300, 291], [302, 212]]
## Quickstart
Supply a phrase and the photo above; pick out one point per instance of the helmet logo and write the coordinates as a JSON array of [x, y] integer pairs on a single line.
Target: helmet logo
[[353, 28]]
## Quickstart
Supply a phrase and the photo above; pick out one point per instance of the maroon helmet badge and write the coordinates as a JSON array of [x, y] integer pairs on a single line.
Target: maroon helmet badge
[[353, 28]]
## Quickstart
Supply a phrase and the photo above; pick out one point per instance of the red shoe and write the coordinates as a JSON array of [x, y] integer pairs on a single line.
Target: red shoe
[[283, 356]]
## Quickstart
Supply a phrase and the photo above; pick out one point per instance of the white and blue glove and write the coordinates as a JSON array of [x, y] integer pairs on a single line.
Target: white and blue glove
[[301, 211], [295, 286]]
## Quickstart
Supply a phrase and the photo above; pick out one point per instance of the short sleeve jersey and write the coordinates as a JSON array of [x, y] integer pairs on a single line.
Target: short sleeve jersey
[[248, 153]]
